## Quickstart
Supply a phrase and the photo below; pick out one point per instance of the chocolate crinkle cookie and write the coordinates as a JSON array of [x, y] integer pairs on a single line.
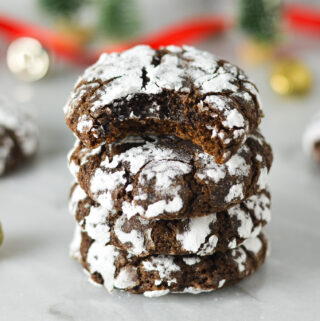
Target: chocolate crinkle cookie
[[166, 177], [173, 91], [18, 136], [170, 170], [157, 275], [199, 235], [311, 138]]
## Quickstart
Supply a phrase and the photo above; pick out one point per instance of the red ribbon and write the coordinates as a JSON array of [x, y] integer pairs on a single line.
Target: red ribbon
[[302, 18], [186, 32]]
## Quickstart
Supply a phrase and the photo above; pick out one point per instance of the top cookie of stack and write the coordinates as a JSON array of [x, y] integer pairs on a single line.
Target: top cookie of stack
[[173, 91]]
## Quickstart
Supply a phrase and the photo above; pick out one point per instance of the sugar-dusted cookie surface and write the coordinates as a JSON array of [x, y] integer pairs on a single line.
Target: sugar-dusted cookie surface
[[174, 91], [18, 136], [158, 275], [199, 235], [166, 177]]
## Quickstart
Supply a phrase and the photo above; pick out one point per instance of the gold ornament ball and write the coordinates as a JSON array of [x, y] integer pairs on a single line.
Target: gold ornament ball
[[1, 234], [27, 59], [290, 78]]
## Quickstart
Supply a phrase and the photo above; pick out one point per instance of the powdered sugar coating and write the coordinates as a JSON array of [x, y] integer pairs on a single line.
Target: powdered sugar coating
[[221, 283], [159, 275], [239, 256], [96, 222], [193, 290], [197, 230], [107, 182], [164, 266], [73, 167], [84, 124], [77, 195], [154, 173], [101, 259], [127, 278], [165, 174], [137, 238], [191, 260], [235, 192], [253, 245], [199, 235], [225, 96], [18, 134]]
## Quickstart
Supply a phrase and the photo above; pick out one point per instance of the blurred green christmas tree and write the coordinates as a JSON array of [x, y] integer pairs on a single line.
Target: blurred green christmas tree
[[260, 18], [118, 18], [62, 8]]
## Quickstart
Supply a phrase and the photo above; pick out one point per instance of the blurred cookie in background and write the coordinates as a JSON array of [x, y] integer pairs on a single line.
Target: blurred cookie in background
[[1, 234], [311, 138], [19, 136]]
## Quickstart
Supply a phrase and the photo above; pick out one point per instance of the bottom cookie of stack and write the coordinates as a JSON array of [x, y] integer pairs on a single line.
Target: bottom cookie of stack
[[157, 275]]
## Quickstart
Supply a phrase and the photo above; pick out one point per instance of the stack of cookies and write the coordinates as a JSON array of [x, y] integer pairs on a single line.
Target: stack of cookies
[[170, 172]]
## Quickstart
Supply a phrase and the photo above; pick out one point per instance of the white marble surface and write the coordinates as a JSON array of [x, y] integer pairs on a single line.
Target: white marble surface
[[39, 281]]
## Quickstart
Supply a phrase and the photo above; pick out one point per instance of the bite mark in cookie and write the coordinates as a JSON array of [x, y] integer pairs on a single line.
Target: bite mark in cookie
[[173, 91]]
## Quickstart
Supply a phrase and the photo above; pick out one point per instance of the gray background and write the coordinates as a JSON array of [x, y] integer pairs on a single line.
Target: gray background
[[38, 280]]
